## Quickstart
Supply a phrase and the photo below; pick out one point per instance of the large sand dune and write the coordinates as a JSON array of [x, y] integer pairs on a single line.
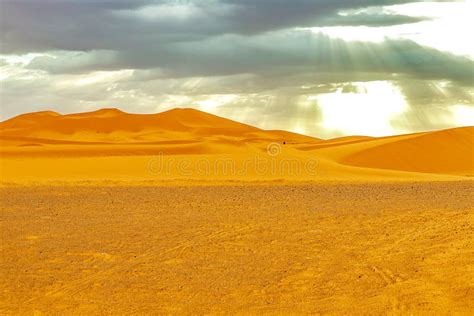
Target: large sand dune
[[447, 151], [115, 126], [111, 145]]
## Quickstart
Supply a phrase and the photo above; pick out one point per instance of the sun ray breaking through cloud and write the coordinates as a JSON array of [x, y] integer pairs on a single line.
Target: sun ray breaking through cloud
[[239, 61]]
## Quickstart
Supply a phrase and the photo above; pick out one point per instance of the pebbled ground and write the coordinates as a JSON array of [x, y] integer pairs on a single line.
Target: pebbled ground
[[306, 248]]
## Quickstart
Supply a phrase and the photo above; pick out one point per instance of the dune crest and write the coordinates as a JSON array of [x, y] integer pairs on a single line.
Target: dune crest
[[106, 112]]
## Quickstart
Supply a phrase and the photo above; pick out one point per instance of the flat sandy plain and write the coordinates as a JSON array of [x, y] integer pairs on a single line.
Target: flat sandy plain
[[396, 248]]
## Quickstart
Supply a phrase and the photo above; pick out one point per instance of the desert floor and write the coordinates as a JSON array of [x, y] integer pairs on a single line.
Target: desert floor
[[373, 248]]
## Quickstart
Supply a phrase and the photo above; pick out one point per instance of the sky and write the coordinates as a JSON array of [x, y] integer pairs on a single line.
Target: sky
[[325, 68]]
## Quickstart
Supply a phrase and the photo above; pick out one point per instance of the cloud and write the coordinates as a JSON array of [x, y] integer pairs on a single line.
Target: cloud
[[285, 53], [174, 39], [30, 25], [76, 61], [433, 105], [260, 62], [372, 20]]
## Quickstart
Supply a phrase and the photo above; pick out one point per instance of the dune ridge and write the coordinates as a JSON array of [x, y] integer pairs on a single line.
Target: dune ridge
[[47, 145], [117, 126]]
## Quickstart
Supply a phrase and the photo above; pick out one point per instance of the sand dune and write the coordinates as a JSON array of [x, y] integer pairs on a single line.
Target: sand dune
[[50, 146], [447, 152], [113, 125]]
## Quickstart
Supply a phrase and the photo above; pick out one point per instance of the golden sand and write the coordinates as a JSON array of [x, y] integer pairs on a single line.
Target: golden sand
[[182, 144], [403, 248], [184, 212]]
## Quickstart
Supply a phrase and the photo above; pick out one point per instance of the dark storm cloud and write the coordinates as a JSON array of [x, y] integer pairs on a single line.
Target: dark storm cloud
[[214, 38], [273, 55], [28, 25]]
